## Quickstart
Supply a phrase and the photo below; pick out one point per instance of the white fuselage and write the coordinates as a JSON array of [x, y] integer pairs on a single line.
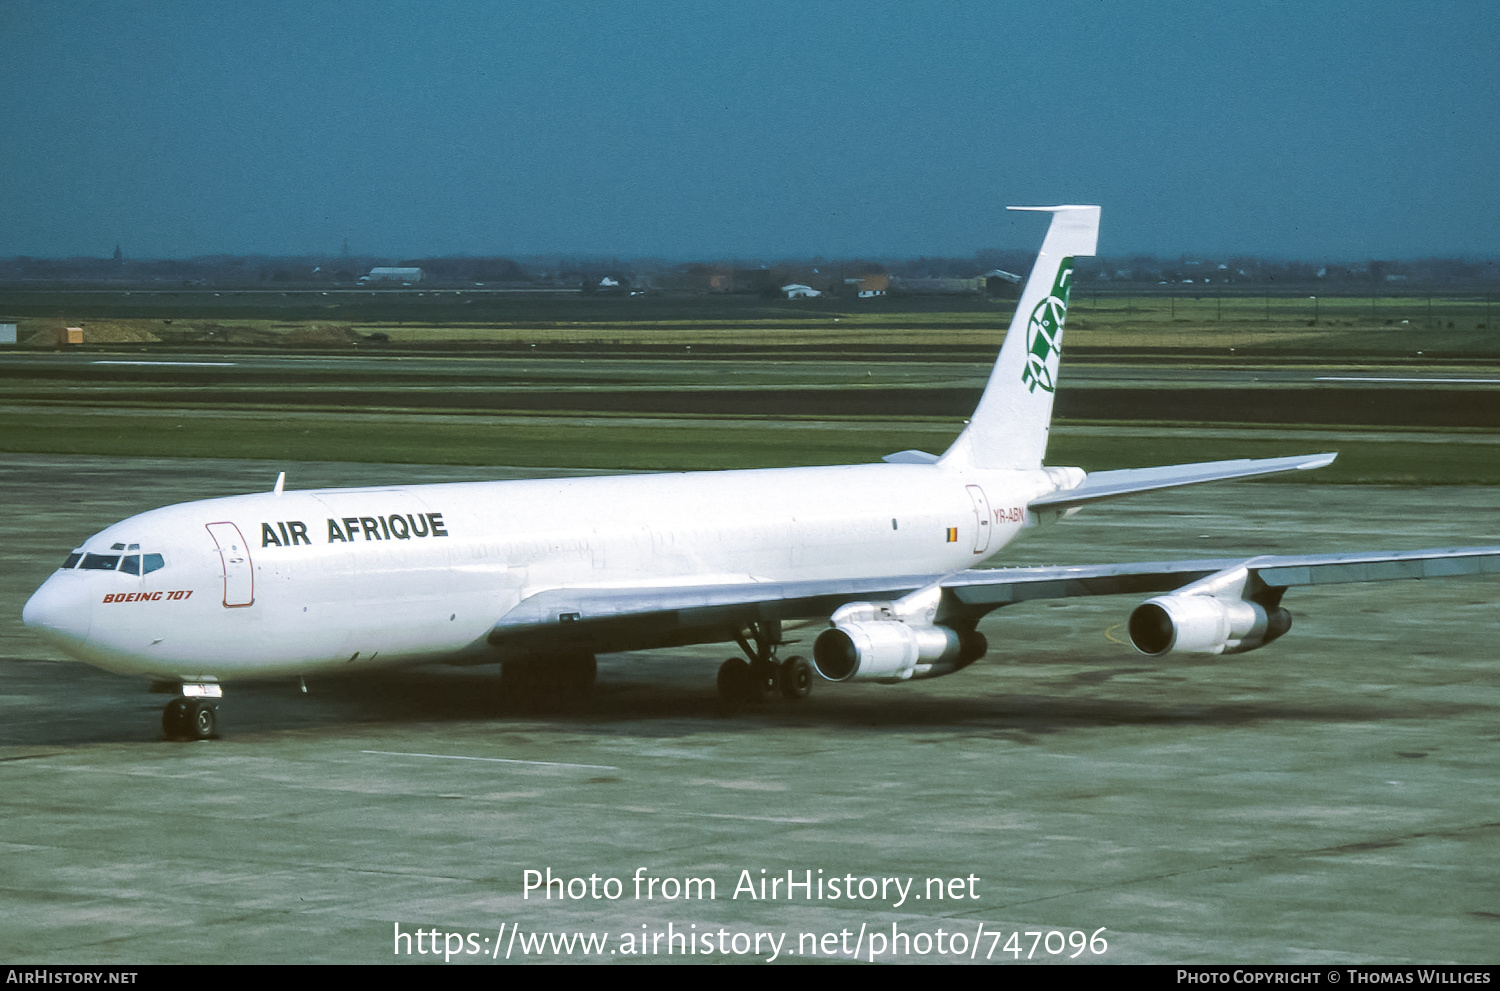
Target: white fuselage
[[291, 583], [300, 582]]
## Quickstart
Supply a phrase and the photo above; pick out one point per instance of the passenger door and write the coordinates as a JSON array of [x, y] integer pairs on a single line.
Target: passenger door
[[234, 554], [982, 515]]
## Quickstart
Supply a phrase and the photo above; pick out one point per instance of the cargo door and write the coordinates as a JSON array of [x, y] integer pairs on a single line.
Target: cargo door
[[234, 555], [982, 515]]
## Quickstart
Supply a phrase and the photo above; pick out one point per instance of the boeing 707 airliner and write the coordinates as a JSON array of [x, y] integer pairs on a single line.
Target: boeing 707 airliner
[[542, 575]]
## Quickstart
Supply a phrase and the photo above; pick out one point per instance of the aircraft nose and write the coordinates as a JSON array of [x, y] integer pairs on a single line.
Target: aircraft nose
[[60, 610]]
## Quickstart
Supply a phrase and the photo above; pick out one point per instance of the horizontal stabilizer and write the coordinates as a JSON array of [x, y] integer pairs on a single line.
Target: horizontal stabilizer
[[911, 458], [1128, 481]]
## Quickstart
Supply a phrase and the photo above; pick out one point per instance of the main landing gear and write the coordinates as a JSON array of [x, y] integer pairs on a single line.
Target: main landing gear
[[749, 679], [194, 714], [560, 681]]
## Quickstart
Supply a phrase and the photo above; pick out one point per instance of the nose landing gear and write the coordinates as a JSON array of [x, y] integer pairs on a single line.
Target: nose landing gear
[[193, 716]]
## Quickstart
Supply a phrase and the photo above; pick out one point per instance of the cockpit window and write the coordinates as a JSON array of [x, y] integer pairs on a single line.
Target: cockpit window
[[134, 563]]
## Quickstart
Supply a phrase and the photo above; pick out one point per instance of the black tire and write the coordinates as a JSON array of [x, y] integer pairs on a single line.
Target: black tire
[[796, 678], [737, 683], [573, 680], [516, 680], [581, 674], [203, 722], [548, 683], [175, 718]]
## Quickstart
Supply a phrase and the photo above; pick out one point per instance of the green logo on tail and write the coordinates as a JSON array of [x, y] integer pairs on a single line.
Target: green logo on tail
[[1044, 332]]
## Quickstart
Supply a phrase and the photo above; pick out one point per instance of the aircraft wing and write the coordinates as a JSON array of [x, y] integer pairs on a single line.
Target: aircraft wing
[[660, 615], [1003, 586], [732, 603], [1101, 485]]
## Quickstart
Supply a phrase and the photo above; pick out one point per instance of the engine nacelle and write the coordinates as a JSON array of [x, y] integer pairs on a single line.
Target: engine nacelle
[[891, 650], [1204, 624]]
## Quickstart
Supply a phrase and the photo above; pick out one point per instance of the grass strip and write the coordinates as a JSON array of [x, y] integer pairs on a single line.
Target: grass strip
[[694, 443]]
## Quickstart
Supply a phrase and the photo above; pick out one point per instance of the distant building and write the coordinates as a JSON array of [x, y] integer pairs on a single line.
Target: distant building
[[936, 287], [611, 285], [393, 275], [7, 330], [999, 282], [799, 291]]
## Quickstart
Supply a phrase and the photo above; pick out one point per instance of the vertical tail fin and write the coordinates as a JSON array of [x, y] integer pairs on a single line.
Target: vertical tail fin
[[1009, 428]]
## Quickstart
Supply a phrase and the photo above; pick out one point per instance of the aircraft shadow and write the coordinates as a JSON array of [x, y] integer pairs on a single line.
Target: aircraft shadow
[[71, 705]]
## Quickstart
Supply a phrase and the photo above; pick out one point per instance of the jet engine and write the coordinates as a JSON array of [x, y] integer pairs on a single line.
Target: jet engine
[[1204, 624], [894, 651], [893, 641]]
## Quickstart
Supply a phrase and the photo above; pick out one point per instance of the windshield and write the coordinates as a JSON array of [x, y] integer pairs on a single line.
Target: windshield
[[128, 563]]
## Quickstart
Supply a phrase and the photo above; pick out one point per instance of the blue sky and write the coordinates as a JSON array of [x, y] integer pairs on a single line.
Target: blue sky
[[766, 130]]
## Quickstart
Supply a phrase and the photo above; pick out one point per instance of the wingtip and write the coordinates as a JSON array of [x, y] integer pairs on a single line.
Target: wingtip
[[1318, 461]]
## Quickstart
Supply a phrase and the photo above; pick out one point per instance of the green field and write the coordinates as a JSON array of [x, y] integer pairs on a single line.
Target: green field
[[714, 383], [692, 443], [1286, 325]]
